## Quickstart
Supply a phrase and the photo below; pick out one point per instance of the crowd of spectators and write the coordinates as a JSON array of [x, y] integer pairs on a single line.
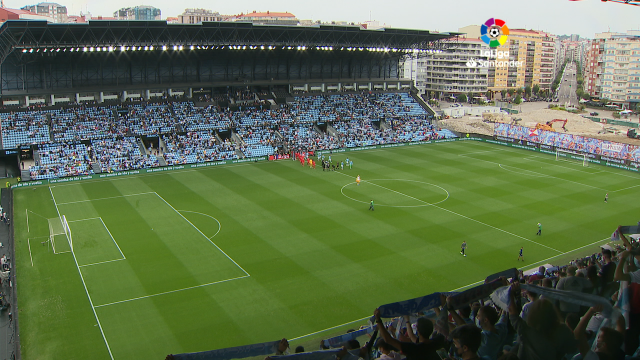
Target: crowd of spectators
[[575, 324], [27, 127], [151, 119], [121, 154], [86, 123], [196, 147], [419, 128], [316, 122], [60, 160]]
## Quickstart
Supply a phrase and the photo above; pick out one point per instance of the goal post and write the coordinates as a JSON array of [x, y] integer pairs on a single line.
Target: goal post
[[572, 156], [59, 230], [52, 235], [67, 231]]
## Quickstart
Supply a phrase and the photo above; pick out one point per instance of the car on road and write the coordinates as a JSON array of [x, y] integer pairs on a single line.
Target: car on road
[[594, 114]]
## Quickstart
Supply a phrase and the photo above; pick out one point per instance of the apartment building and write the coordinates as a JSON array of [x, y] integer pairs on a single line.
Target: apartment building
[[141, 12], [534, 53], [51, 10], [613, 68], [459, 70], [528, 58], [196, 16]]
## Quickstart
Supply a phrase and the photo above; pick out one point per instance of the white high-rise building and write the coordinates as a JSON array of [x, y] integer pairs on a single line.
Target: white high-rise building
[[55, 11], [454, 71], [613, 68]]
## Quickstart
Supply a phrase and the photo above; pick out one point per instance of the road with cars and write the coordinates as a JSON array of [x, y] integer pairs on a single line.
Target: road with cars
[[568, 85]]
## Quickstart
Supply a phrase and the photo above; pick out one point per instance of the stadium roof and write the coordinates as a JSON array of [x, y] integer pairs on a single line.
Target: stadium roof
[[26, 35]]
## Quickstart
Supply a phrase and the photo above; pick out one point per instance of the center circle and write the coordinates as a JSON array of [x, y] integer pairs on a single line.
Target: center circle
[[401, 193]]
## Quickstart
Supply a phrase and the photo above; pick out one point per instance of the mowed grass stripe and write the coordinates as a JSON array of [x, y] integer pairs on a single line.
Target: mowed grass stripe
[[152, 252], [51, 296], [315, 255], [400, 245], [466, 200], [595, 175], [167, 316], [292, 247]]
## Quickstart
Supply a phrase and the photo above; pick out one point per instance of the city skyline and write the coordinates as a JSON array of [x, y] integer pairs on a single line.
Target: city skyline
[[561, 17]]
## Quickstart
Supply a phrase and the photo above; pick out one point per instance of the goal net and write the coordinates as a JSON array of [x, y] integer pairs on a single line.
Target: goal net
[[60, 235], [67, 231], [572, 156]]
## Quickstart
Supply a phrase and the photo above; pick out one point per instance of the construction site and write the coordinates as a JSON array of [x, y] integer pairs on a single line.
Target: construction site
[[547, 119]]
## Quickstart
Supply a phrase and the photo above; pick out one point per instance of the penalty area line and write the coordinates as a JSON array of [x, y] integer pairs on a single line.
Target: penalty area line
[[172, 291]]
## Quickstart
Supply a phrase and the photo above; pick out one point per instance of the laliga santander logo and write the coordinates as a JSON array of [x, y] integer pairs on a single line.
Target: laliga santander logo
[[494, 32]]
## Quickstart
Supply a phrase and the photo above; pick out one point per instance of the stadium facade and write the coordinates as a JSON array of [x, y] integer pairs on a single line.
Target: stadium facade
[[43, 63]]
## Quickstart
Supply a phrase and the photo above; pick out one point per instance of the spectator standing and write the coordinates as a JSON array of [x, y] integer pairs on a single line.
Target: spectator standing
[[425, 349], [542, 336], [571, 283], [606, 274]]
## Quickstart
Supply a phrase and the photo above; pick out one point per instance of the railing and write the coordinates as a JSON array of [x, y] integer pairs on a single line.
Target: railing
[[614, 122]]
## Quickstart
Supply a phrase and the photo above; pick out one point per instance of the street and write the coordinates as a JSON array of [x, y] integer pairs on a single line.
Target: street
[[568, 86]]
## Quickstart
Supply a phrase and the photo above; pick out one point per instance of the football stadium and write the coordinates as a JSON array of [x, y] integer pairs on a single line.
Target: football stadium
[[229, 190]]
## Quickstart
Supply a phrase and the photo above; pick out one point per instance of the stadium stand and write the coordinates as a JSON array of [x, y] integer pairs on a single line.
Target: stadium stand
[[86, 124], [310, 122], [121, 154], [196, 147], [22, 128], [61, 160]]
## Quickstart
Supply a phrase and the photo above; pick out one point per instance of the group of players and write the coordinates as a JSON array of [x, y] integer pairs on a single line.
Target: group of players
[[327, 163]]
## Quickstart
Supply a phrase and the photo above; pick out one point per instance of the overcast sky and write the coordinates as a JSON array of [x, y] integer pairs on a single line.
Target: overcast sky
[[560, 17]]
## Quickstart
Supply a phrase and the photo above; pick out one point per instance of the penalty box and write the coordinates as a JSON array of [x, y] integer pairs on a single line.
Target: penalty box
[[138, 246]]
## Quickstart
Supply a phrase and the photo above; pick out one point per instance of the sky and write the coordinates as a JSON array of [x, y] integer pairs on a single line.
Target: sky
[[560, 17]]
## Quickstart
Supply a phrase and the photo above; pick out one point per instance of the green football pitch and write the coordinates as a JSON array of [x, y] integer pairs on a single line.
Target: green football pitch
[[203, 259]]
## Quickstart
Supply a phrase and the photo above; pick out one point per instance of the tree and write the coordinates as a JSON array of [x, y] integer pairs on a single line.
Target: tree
[[470, 96], [536, 89], [503, 93], [462, 98], [511, 92], [519, 91], [517, 100], [488, 95], [527, 91]]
